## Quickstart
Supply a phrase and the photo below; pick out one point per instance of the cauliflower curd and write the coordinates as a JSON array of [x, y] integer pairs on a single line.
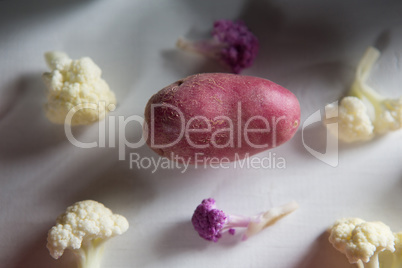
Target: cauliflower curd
[[354, 122], [76, 91], [362, 241], [84, 228]]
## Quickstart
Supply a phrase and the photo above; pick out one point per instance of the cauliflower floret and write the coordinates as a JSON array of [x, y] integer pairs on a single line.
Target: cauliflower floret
[[75, 86], [389, 115], [355, 123], [341, 232], [211, 222], [369, 238], [361, 241], [232, 43], [84, 228]]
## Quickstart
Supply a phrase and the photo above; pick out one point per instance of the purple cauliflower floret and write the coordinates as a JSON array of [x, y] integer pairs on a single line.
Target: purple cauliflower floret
[[232, 43], [211, 222]]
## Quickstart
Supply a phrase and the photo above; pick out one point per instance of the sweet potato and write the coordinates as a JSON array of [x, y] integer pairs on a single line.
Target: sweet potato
[[220, 117]]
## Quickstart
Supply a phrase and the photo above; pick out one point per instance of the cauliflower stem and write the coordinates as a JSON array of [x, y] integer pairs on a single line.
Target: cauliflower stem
[[90, 254], [393, 260], [269, 218], [373, 263]]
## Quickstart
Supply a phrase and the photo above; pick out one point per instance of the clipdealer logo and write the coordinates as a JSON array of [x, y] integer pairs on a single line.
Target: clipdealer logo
[[331, 155]]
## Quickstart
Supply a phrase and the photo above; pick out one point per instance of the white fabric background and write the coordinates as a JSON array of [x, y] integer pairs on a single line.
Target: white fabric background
[[311, 47]]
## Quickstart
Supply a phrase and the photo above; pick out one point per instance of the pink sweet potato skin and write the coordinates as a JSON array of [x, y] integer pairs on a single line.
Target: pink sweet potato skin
[[217, 116]]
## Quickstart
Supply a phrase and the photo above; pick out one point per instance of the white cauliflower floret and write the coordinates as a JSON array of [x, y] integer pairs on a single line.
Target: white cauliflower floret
[[369, 238], [389, 115], [84, 228], [76, 86], [361, 241], [355, 122], [341, 232]]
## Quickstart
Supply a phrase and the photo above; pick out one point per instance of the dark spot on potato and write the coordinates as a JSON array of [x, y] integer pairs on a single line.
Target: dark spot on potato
[[180, 82]]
